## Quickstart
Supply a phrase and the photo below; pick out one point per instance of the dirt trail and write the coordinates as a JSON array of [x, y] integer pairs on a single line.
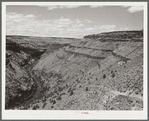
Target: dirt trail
[[37, 81], [34, 94]]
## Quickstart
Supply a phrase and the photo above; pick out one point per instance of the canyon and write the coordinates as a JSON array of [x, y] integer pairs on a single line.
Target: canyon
[[98, 72]]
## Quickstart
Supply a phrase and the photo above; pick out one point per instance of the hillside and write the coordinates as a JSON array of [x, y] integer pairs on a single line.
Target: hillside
[[118, 36], [102, 73], [22, 53]]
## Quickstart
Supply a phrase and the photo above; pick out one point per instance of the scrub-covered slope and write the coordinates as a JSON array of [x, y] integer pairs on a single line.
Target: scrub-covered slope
[[91, 74], [22, 53], [20, 86]]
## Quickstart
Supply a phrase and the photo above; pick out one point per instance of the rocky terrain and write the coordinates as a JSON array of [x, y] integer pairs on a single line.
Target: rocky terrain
[[19, 83], [103, 72]]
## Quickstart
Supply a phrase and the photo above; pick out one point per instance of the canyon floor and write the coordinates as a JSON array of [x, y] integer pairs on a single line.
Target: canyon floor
[[98, 72]]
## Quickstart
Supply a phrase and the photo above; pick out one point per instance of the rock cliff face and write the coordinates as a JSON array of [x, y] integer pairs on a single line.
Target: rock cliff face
[[89, 74]]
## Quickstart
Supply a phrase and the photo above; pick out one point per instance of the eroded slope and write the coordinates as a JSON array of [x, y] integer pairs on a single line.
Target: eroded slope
[[90, 74]]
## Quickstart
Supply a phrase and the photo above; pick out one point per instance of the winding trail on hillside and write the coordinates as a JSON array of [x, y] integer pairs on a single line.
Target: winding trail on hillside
[[28, 96], [36, 79], [28, 99]]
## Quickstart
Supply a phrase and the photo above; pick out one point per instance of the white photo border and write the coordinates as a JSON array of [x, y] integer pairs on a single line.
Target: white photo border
[[75, 114]]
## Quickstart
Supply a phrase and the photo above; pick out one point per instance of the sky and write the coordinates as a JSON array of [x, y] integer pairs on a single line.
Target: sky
[[72, 21]]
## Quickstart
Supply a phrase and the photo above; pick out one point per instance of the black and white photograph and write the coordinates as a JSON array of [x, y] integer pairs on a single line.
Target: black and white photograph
[[74, 57]]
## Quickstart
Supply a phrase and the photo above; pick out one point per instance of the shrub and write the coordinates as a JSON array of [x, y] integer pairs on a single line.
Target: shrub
[[54, 101], [44, 100], [34, 107], [69, 90], [77, 80], [59, 98], [50, 74], [62, 93], [25, 108], [71, 93], [113, 75], [86, 88], [104, 76], [60, 88], [44, 105], [37, 106]]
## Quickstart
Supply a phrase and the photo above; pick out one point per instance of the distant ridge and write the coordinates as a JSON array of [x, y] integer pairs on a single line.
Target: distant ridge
[[40, 37], [115, 35]]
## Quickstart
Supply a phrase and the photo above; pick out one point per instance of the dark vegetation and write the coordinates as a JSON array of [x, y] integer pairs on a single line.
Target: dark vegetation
[[59, 98], [104, 76], [35, 107], [113, 75], [71, 92], [18, 100], [86, 89], [44, 105]]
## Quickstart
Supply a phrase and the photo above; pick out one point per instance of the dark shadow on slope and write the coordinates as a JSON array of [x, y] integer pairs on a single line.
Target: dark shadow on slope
[[86, 55]]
